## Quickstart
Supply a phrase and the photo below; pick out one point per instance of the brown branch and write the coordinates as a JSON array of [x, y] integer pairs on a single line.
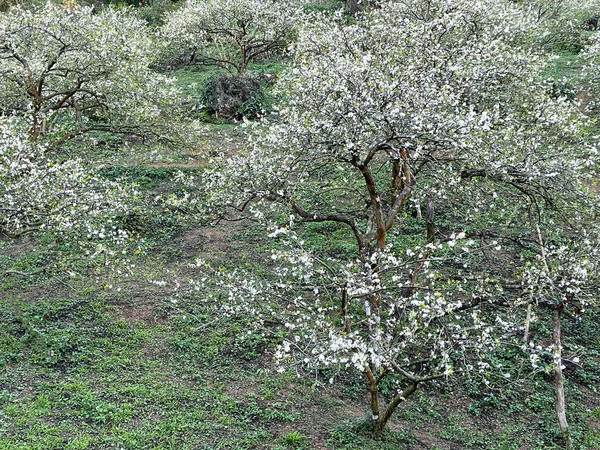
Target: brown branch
[[318, 217]]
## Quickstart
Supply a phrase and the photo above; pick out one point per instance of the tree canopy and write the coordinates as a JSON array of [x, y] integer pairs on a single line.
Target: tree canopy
[[231, 33]]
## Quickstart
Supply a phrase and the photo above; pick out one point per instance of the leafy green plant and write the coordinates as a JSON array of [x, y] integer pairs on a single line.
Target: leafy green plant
[[295, 440]]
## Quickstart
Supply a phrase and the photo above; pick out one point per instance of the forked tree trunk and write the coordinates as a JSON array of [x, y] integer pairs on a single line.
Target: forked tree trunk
[[558, 378], [380, 416], [374, 403]]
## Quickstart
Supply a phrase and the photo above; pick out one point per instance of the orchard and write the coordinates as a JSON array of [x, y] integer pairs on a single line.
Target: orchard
[[400, 218]]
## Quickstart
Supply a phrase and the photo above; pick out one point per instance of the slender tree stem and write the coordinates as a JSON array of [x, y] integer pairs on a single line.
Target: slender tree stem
[[558, 378]]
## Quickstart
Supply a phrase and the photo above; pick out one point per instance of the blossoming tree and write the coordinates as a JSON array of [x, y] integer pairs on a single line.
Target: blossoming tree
[[231, 33], [65, 72], [70, 71], [564, 280], [563, 22], [436, 114]]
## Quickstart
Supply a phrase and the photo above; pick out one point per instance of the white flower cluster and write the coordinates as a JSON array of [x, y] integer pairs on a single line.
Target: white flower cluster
[[63, 198]]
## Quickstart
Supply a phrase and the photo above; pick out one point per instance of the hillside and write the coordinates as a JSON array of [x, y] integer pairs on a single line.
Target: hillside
[[217, 239]]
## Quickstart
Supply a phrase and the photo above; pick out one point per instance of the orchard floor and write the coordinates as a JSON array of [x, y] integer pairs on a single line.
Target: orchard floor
[[123, 363]]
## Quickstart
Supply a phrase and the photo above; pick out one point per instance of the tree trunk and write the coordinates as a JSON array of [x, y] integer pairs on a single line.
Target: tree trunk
[[558, 378], [526, 332], [374, 393], [37, 128], [345, 306], [381, 421], [527, 323], [352, 7], [430, 221], [378, 427]]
